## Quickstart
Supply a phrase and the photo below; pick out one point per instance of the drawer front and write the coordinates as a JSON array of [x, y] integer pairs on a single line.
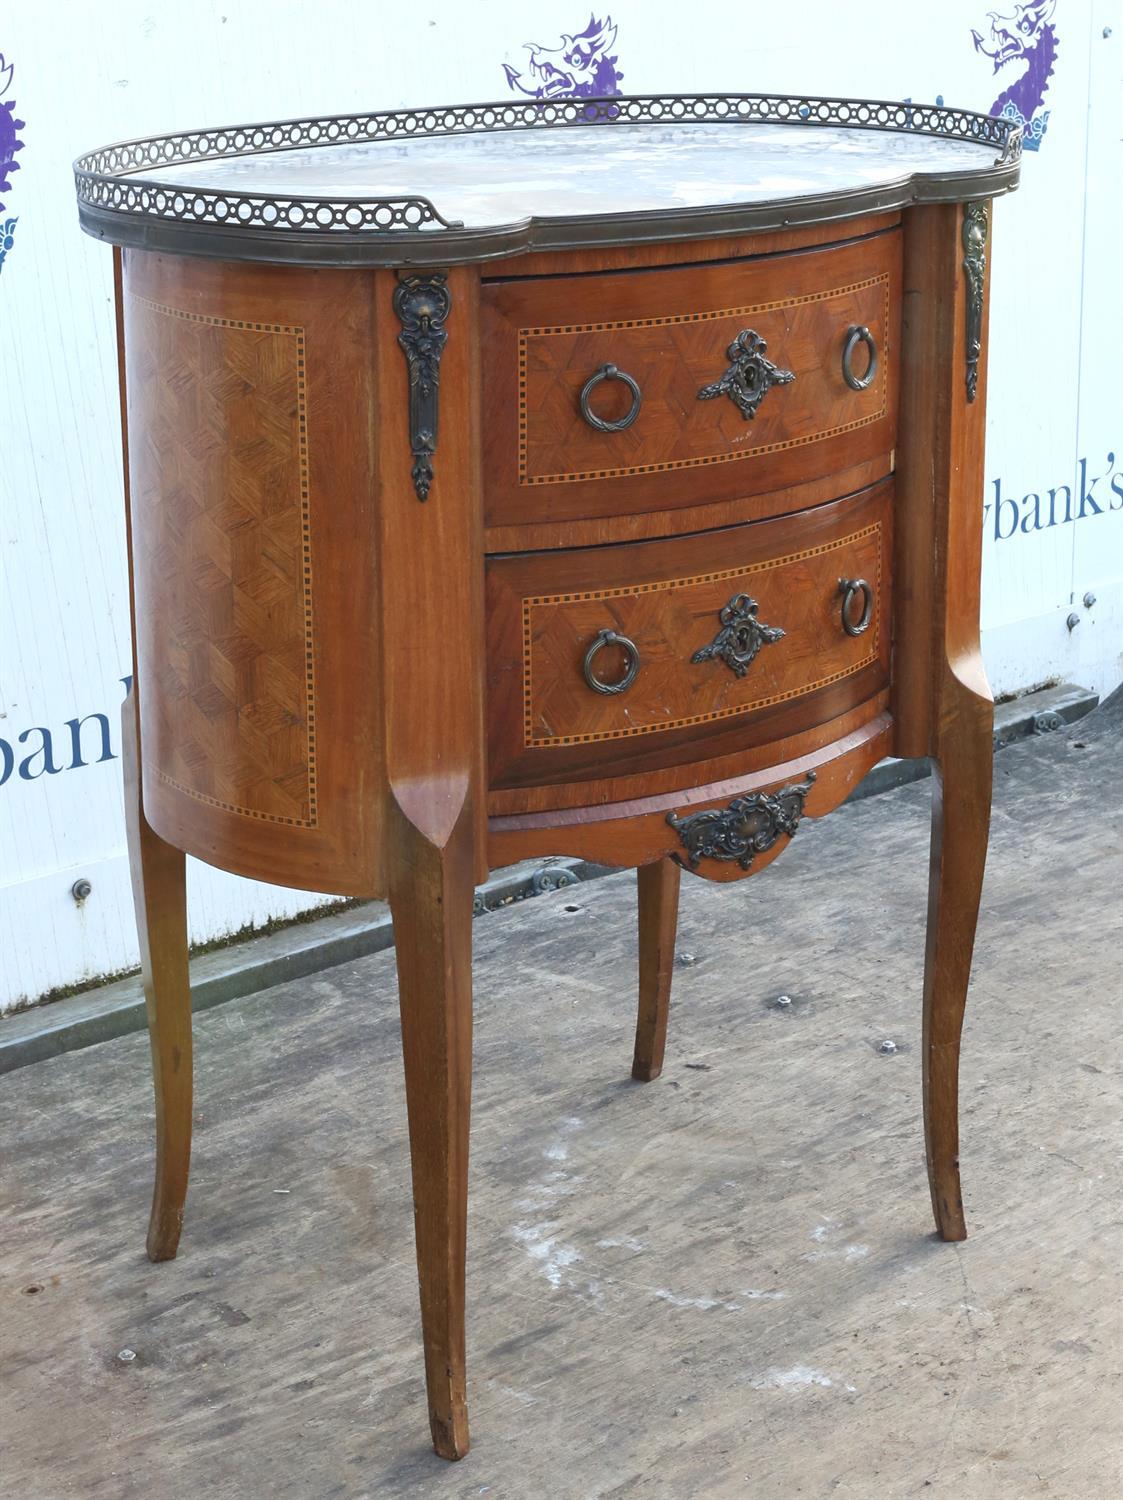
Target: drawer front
[[683, 352], [608, 660]]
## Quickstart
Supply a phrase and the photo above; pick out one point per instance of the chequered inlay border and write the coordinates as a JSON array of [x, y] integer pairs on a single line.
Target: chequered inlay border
[[312, 821], [526, 334], [531, 741]]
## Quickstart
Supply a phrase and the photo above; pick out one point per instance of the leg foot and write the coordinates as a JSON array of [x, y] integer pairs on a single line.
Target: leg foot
[[160, 897], [961, 789], [657, 886], [431, 889]]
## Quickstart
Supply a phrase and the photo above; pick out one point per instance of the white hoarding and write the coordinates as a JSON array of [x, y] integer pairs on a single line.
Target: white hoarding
[[73, 76]]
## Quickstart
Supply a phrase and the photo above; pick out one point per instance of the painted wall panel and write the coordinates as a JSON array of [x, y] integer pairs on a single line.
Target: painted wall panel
[[1098, 540], [77, 77]]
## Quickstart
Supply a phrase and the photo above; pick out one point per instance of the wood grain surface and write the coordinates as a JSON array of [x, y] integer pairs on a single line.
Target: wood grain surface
[[225, 561], [637, 832], [430, 570], [719, 1244], [657, 888], [159, 882], [671, 331], [250, 391], [689, 252], [158, 876], [431, 901], [340, 688], [545, 610], [535, 535], [942, 701], [623, 785]]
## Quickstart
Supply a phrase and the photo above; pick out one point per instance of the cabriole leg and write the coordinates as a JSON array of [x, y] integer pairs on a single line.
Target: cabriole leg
[[159, 880], [657, 887], [961, 788], [431, 889]]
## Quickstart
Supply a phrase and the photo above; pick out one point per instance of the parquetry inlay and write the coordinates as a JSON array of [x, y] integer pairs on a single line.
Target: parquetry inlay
[[223, 481], [721, 456], [536, 737]]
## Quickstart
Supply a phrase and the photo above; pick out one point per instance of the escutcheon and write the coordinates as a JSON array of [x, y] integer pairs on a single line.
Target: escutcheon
[[744, 829], [749, 377], [741, 636]]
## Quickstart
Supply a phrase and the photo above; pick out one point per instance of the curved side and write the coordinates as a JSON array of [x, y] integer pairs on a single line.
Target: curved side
[[941, 702], [636, 833], [459, 245], [117, 203], [249, 393]]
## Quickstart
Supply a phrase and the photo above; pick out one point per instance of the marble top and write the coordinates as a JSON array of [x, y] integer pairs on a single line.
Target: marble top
[[492, 180], [476, 182]]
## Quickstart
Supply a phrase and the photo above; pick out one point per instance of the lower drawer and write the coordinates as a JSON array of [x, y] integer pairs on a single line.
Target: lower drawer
[[609, 660]]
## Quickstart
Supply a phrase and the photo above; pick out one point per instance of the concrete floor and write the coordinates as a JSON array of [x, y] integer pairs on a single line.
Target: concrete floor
[[722, 1284]]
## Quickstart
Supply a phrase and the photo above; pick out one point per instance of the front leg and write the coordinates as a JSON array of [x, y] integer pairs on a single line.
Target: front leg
[[961, 791], [431, 890], [941, 702]]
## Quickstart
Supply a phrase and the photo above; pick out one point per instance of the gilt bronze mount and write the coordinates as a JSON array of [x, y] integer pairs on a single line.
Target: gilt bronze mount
[[422, 304], [749, 377], [747, 827], [741, 636]]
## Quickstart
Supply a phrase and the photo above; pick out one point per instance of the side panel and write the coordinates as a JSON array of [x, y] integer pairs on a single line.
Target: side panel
[[249, 401]]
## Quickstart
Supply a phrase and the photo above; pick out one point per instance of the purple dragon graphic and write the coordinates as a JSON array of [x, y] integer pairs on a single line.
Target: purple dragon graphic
[[10, 143], [1026, 37], [579, 69]]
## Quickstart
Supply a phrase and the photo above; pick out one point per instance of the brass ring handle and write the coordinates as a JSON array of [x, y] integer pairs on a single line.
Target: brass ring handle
[[850, 588], [858, 334], [610, 372], [611, 638]]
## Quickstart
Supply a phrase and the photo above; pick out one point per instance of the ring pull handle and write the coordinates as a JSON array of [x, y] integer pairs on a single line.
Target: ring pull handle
[[850, 588], [631, 657], [858, 334], [610, 372]]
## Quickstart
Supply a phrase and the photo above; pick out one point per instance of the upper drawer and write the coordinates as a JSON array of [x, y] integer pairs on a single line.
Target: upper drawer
[[710, 421]]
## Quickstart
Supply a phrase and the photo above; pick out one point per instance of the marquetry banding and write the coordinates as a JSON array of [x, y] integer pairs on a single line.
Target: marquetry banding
[[526, 334], [243, 812], [297, 333], [538, 741]]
